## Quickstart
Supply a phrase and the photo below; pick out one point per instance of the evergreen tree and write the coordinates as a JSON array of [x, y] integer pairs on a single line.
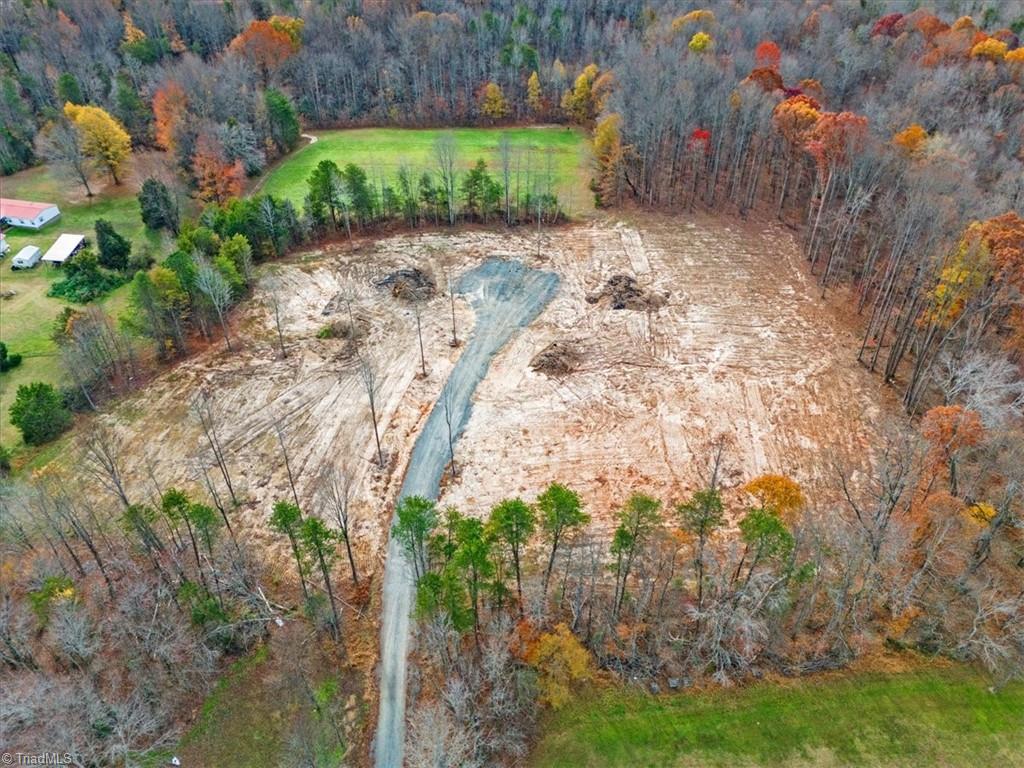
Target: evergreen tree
[[39, 412], [159, 209], [114, 249], [284, 122]]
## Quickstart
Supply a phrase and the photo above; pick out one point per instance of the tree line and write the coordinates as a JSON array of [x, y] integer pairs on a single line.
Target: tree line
[[520, 605]]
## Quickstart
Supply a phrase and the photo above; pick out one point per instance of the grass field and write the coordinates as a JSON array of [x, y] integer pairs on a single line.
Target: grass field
[[26, 319], [943, 717], [381, 151]]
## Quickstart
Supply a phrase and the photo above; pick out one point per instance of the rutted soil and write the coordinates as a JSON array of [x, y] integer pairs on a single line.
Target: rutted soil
[[742, 348]]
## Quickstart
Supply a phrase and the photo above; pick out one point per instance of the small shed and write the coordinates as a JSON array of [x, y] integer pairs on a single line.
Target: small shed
[[26, 258], [23, 213], [62, 250]]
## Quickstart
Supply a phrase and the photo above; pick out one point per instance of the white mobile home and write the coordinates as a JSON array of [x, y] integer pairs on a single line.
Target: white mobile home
[[62, 250], [26, 258], [22, 213], [4, 245]]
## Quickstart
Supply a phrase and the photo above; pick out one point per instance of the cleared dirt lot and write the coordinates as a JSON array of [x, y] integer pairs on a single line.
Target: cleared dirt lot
[[736, 343], [740, 347]]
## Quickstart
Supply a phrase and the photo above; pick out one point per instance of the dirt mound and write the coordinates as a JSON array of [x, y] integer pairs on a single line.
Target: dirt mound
[[623, 292], [410, 284], [559, 358]]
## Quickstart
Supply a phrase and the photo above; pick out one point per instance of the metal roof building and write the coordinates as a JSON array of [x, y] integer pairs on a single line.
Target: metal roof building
[[23, 213], [63, 249]]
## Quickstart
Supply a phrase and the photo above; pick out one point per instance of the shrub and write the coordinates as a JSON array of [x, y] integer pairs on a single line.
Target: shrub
[[8, 361], [85, 280], [39, 412]]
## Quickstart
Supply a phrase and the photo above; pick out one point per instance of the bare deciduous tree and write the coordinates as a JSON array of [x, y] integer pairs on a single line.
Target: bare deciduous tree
[[371, 383], [211, 283], [101, 454], [445, 155], [336, 487], [204, 410]]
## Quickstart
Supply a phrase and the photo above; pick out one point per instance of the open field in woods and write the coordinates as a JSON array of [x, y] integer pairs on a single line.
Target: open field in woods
[[942, 717], [541, 155]]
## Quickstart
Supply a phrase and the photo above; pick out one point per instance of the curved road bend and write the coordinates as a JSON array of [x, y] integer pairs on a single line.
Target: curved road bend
[[505, 296]]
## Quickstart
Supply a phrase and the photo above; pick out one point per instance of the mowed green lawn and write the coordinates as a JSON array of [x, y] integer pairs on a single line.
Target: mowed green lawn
[[382, 151], [940, 717], [26, 319]]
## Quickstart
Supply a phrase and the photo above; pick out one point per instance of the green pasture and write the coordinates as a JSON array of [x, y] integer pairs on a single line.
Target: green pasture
[[942, 717], [538, 153]]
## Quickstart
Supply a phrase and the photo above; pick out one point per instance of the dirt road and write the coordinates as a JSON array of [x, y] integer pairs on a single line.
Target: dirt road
[[505, 296]]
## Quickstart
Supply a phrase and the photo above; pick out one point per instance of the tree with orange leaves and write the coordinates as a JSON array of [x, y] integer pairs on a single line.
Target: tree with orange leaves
[[169, 107], [265, 46], [1003, 237], [911, 139], [767, 78], [217, 180], [794, 119], [835, 137], [948, 430], [767, 54]]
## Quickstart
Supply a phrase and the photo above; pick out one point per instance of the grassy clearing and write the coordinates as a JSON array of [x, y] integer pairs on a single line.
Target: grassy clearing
[[381, 151], [942, 717], [26, 319], [259, 712]]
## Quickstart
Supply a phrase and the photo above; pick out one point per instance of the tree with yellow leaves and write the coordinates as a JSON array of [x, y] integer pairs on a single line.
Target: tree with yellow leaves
[[290, 26], [578, 102], [964, 272], [561, 661], [608, 154], [104, 139], [777, 493], [493, 102], [700, 42], [989, 48], [534, 95], [699, 16]]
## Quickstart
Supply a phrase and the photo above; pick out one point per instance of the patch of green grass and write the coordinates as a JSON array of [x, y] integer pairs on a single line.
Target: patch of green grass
[[381, 151], [248, 728], [933, 717], [258, 707], [27, 319]]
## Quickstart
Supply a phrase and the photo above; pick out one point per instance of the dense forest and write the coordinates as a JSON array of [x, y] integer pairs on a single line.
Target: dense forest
[[890, 139]]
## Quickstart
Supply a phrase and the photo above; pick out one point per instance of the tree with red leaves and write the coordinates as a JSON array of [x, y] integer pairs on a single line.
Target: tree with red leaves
[[217, 180], [767, 54], [887, 25]]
